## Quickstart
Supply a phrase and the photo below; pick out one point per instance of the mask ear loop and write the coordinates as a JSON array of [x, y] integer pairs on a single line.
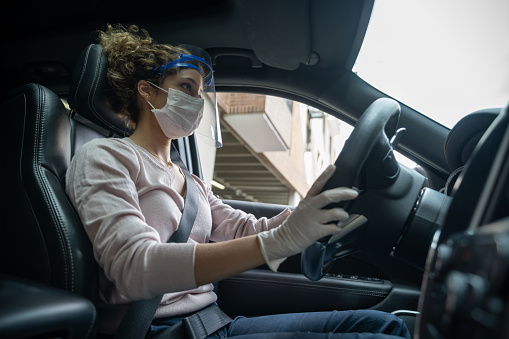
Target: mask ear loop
[[156, 87], [150, 103]]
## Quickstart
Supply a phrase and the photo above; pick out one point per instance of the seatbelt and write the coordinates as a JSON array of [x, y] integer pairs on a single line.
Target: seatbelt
[[140, 314]]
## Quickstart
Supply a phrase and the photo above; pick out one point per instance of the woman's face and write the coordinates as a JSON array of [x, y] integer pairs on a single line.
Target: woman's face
[[186, 80]]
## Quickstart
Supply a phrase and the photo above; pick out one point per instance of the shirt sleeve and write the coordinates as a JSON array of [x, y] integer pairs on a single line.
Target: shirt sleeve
[[229, 223], [101, 184]]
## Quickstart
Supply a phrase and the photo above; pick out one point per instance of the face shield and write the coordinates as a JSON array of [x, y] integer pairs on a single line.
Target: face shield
[[198, 60]]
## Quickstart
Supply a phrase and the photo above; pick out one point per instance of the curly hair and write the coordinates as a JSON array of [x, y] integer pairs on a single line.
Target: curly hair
[[132, 56]]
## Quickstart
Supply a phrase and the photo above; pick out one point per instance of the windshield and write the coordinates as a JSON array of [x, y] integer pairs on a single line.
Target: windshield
[[443, 58]]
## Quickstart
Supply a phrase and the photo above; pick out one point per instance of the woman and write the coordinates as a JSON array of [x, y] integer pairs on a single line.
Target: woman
[[129, 195]]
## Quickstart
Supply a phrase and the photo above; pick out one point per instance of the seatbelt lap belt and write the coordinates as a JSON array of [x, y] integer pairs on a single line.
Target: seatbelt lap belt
[[140, 314]]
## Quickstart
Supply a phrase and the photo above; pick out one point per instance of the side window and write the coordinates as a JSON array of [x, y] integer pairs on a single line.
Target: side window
[[273, 148]]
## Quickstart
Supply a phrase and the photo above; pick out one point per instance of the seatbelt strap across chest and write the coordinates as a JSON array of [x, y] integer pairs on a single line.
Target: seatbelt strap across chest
[[140, 314]]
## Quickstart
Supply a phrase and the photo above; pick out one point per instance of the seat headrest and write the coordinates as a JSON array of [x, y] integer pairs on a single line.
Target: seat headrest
[[90, 91], [465, 135]]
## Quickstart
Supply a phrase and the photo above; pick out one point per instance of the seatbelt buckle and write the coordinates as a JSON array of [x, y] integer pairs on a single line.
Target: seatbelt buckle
[[205, 322]]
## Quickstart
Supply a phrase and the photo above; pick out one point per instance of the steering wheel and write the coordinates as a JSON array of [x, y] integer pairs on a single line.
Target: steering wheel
[[387, 191]]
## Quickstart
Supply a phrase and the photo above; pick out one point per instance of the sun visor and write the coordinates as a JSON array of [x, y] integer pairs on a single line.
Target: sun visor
[[279, 45]]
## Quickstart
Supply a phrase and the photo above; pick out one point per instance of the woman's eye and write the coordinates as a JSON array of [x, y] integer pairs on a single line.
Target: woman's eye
[[187, 87]]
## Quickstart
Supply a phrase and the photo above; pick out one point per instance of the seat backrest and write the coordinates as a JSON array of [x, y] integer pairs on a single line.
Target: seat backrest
[[41, 235]]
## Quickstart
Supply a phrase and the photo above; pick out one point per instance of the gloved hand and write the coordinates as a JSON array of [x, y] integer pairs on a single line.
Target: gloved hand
[[307, 223]]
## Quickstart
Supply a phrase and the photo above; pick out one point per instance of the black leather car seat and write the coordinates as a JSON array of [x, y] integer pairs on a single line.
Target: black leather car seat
[[42, 237]]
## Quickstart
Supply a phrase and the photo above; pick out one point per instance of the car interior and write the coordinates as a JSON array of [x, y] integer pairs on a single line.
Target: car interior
[[429, 244]]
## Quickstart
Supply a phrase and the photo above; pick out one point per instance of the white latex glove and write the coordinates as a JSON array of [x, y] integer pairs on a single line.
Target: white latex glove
[[307, 223]]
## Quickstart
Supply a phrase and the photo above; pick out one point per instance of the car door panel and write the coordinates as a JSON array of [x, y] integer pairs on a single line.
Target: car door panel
[[258, 292]]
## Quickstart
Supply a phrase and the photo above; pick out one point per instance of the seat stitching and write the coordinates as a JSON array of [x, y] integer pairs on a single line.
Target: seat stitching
[[67, 255], [82, 74], [93, 91]]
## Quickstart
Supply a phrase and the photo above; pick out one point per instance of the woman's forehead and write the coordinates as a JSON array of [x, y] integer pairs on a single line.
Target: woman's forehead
[[185, 73]]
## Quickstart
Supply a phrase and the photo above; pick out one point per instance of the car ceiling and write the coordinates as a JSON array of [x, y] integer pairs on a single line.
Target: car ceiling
[[56, 33], [300, 49]]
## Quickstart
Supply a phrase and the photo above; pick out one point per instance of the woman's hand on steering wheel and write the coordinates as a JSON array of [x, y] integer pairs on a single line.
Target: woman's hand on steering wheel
[[307, 223]]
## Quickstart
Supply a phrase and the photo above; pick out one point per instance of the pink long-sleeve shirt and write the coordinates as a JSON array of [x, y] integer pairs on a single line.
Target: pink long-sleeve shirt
[[127, 205]]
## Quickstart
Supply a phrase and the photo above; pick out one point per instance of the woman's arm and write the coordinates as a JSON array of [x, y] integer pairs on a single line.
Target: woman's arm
[[230, 223], [306, 224], [217, 261]]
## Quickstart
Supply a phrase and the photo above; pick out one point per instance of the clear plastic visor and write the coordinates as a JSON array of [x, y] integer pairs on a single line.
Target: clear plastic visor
[[200, 62]]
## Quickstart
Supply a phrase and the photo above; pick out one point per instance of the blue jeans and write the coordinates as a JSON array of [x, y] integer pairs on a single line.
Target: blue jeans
[[359, 324]]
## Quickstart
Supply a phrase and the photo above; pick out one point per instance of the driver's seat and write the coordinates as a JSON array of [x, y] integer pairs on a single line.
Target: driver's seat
[[42, 236]]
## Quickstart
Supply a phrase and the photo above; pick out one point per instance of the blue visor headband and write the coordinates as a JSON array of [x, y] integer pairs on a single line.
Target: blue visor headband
[[182, 62]]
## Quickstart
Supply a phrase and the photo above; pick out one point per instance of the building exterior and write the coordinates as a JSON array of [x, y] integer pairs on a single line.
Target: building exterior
[[273, 148]]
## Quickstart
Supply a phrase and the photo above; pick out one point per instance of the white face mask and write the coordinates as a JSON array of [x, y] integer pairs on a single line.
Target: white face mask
[[181, 115]]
